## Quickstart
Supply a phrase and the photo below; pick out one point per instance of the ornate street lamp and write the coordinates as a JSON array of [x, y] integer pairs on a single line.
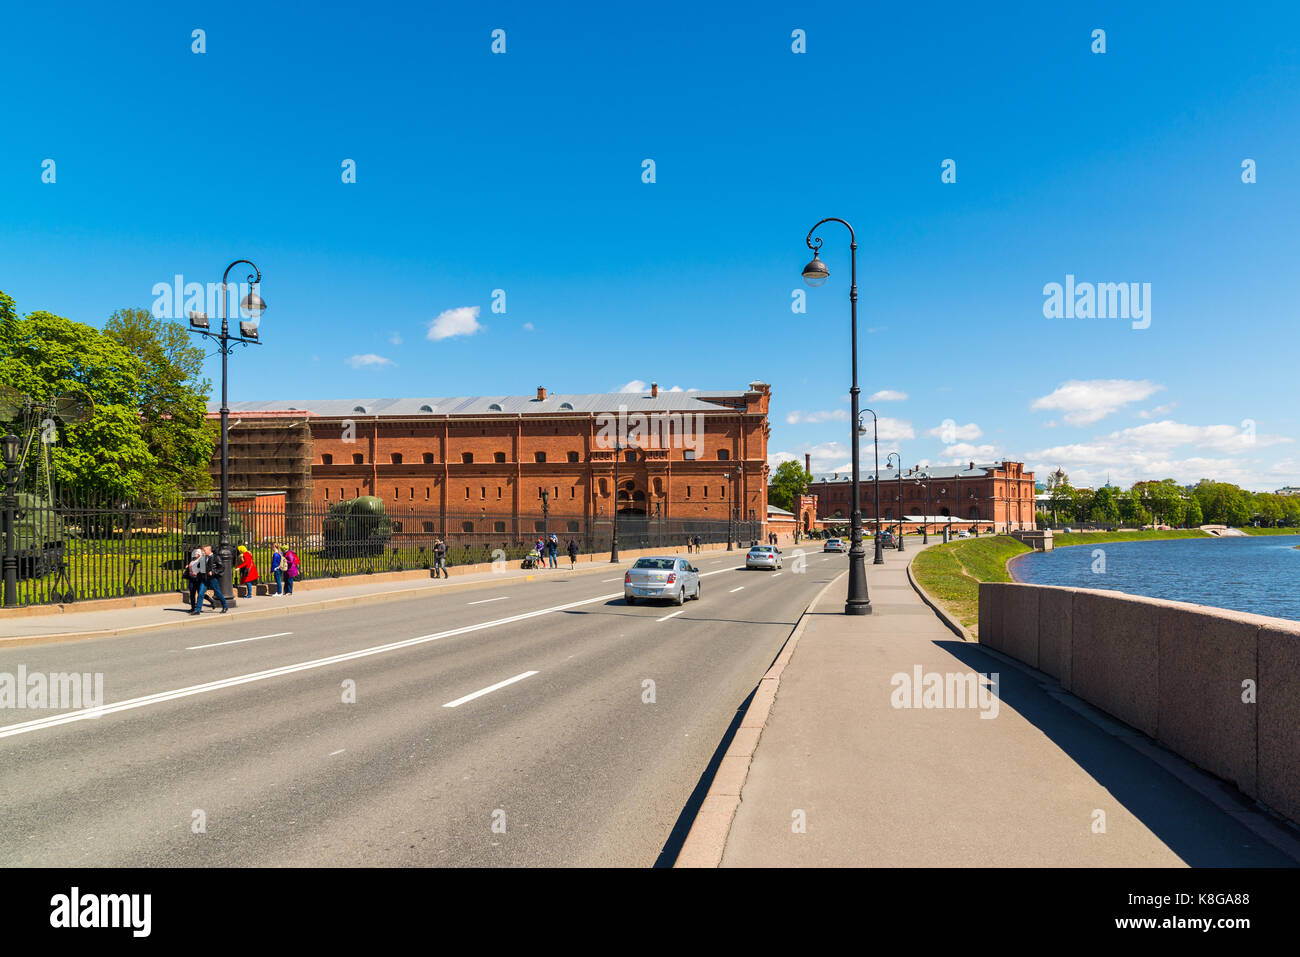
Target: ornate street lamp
[[613, 546], [731, 512], [11, 445], [546, 509], [897, 455], [925, 519], [252, 306], [815, 274], [875, 438]]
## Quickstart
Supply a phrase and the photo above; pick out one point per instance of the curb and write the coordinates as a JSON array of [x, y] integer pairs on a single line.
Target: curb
[[707, 838], [952, 624]]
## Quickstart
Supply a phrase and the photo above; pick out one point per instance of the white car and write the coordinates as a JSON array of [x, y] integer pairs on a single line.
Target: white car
[[963, 534], [667, 577], [836, 545], [764, 556]]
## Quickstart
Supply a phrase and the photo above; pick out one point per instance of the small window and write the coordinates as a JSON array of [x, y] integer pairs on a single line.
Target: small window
[[359, 408], [467, 526], [498, 456], [467, 457], [426, 527], [689, 455], [482, 491], [494, 407], [537, 527], [688, 491], [573, 456], [498, 526], [358, 458], [629, 456], [723, 455], [571, 526], [428, 458], [539, 456], [426, 408], [397, 526], [566, 406], [326, 459], [327, 493], [467, 492], [396, 458], [498, 491]]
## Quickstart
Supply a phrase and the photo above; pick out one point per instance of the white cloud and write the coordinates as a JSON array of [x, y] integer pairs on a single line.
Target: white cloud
[[528, 327], [395, 338], [636, 385], [1084, 402], [1158, 410], [963, 453], [462, 321], [891, 430], [887, 395], [949, 432], [826, 415], [369, 361]]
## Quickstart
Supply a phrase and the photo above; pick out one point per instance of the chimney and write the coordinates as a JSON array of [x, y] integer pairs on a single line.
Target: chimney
[[972, 466], [654, 390], [807, 462], [541, 393]]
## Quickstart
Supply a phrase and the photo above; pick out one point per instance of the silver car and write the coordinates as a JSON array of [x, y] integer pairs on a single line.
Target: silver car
[[670, 578], [764, 556], [836, 545]]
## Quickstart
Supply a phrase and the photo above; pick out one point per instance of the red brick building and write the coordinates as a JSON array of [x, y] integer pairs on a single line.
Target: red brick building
[[999, 496], [683, 455]]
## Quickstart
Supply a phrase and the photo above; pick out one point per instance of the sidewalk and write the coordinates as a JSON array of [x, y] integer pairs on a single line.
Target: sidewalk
[[879, 785], [30, 626]]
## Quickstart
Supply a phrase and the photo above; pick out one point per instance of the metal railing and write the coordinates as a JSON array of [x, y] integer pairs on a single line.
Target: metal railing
[[78, 550]]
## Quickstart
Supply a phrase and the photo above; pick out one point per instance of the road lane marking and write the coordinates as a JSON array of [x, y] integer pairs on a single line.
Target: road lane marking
[[734, 590], [775, 575], [339, 751], [130, 704], [483, 601], [673, 615], [489, 689], [606, 580], [218, 644]]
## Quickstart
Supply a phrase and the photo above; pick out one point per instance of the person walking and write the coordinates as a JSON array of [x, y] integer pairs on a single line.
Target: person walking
[[572, 548], [194, 571], [247, 571], [697, 544], [277, 571], [211, 580], [552, 551], [290, 569], [439, 558]]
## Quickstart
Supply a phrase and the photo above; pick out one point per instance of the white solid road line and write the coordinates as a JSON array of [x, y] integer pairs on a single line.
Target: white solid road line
[[218, 644], [339, 751], [673, 615], [483, 601], [606, 580], [489, 689], [130, 704], [734, 590]]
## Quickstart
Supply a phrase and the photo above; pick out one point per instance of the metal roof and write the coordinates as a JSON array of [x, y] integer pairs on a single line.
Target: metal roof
[[936, 472], [554, 403]]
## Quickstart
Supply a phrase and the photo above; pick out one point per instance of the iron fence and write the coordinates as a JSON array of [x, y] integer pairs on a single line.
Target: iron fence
[[80, 550]]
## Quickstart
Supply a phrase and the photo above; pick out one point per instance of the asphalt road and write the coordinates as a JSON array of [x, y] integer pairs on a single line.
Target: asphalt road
[[442, 759]]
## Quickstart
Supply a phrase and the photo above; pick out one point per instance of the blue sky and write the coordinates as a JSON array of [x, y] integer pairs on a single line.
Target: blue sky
[[522, 171]]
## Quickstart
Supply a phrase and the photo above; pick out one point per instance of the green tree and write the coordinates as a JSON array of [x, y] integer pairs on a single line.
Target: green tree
[[172, 400], [1192, 516], [789, 479], [1104, 508], [1131, 509]]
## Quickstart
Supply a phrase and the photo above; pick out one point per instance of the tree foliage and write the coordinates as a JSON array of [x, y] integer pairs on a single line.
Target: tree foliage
[[789, 479]]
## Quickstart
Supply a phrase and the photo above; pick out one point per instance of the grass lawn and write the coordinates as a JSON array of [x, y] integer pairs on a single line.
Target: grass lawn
[[1065, 539], [951, 573], [1249, 530]]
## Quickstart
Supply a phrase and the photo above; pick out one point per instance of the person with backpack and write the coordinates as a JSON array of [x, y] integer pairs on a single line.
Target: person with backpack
[[290, 570], [553, 550], [440, 558], [210, 579], [572, 548]]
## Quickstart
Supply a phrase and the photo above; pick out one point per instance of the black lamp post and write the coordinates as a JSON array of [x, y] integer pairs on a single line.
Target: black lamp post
[[875, 439], [12, 445], [731, 513], [816, 273], [898, 455], [925, 519], [253, 306], [613, 546], [546, 511]]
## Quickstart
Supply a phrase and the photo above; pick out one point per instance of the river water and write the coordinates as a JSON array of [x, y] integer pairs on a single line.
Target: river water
[[1258, 573]]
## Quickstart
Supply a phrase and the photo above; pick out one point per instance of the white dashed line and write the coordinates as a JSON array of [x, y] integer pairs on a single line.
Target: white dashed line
[[734, 590], [606, 580], [339, 751], [483, 601], [673, 615], [218, 644], [489, 689]]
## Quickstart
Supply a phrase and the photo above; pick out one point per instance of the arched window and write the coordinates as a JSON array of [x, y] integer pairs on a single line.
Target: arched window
[[396, 458], [358, 458], [467, 457], [428, 458], [326, 459], [573, 456], [498, 456]]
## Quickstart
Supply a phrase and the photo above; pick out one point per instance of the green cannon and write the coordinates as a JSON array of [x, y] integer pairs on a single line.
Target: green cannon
[[39, 536], [357, 526], [203, 527]]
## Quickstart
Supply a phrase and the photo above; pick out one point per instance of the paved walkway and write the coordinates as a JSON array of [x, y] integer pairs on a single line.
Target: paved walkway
[[880, 785]]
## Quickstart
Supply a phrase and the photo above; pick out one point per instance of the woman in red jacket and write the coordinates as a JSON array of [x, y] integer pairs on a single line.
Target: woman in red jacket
[[247, 570]]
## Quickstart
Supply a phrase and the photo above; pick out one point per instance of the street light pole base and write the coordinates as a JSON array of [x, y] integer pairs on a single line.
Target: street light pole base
[[857, 608]]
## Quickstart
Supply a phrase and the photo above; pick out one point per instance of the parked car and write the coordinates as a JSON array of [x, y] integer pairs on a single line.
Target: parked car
[[665, 577], [763, 556], [963, 534], [836, 545]]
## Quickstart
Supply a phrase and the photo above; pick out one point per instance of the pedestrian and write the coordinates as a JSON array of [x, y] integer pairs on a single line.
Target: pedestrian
[[211, 579], [247, 571], [290, 569], [688, 544], [194, 570], [552, 550], [573, 553], [697, 543], [277, 571], [439, 558]]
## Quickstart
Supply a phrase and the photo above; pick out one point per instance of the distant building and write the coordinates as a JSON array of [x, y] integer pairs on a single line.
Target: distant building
[[1288, 490]]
